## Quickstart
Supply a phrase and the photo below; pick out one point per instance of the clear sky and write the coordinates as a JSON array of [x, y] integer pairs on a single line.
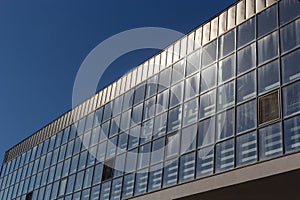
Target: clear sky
[[43, 43]]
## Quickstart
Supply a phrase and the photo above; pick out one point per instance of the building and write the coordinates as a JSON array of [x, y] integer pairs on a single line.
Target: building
[[213, 116]]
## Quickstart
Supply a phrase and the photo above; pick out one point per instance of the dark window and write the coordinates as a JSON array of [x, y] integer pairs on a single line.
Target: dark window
[[289, 9], [29, 196], [108, 170], [268, 108]]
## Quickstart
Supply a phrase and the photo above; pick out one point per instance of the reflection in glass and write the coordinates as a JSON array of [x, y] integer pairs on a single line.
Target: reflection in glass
[[174, 119], [170, 173], [176, 94], [267, 47], [225, 124], [270, 141], [193, 63], [246, 87], [208, 78], [225, 155], [155, 177], [149, 108], [191, 86], [289, 10], [246, 32], [246, 149], [105, 191], [246, 58], [290, 66], [209, 53], [151, 86], [164, 79], [226, 69], [128, 185], [267, 21], [207, 104], [188, 139], [162, 102], [206, 132], [157, 154], [116, 189], [172, 144], [227, 43], [292, 134], [178, 71], [268, 77], [187, 167], [190, 112], [291, 99], [246, 116], [144, 156], [289, 36], [226, 96], [205, 161], [141, 182]]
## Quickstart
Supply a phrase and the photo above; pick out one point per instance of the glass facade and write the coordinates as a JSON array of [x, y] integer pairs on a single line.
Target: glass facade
[[202, 114]]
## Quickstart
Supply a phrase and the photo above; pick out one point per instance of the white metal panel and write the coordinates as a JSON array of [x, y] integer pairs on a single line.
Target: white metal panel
[[270, 2], [198, 38], [250, 8], [170, 55], [157, 64], [223, 23], [183, 47], [260, 5], [231, 17], [240, 12], [163, 59], [176, 51], [206, 33], [190, 42], [214, 28], [151, 67]]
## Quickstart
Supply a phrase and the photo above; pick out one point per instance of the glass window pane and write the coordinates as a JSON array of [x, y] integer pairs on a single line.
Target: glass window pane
[[149, 108], [292, 134], [290, 66], [164, 79], [207, 104], [188, 139], [193, 63], [176, 94], [134, 137], [208, 78], [205, 161], [268, 108], [227, 43], [226, 68], [226, 96], [141, 182], [137, 114], [157, 154], [246, 149], [162, 102], [270, 141], [225, 124], [144, 156], [125, 120], [225, 155], [139, 93], [151, 86], [289, 36], [119, 165], [246, 32], [246, 87], [246, 116], [155, 178], [131, 160], [209, 53], [174, 119], [267, 47], [187, 167], [79, 181], [246, 58], [170, 173], [172, 144], [291, 99], [111, 147], [114, 125], [107, 112], [178, 71], [267, 21], [116, 189], [117, 105], [98, 116], [289, 9], [128, 186], [105, 191], [147, 131], [128, 100], [206, 132], [191, 86], [268, 77], [190, 111]]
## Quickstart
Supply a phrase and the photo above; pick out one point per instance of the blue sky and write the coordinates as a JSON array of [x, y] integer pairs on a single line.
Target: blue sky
[[43, 43]]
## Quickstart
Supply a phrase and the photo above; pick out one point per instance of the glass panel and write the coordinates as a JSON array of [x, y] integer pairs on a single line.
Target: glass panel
[[209, 53], [111, 147], [290, 66], [176, 94], [147, 130], [172, 144], [190, 111], [227, 43], [155, 178], [270, 141], [149, 108], [125, 120], [174, 119], [116, 189], [162, 102], [208, 78], [134, 137], [164, 79], [95, 192], [131, 160], [170, 173], [139, 93], [267, 47], [105, 190], [291, 99], [246, 58], [151, 86], [98, 116], [268, 108], [114, 125], [226, 96], [187, 167], [141, 182], [178, 71], [117, 105], [188, 139], [246, 32], [207, 104], [289, 36], [225, 155], [144, 156], [246, 116], [193, 63], [267, 21], [101, 151], [292, 134], [205, 161], [119, 165], [268, 77], [157, 154], [79, 181], [225, 124], [226, 68], [137, 114], [191, 86], [160, 125], [107, 112], [246, 87], [206, 132], [128, 100], [246, 149], [289, 9], [128, 185]]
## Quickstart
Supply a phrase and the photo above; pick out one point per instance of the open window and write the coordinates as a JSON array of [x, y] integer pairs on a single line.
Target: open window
[[108, 169], [29, 196]]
